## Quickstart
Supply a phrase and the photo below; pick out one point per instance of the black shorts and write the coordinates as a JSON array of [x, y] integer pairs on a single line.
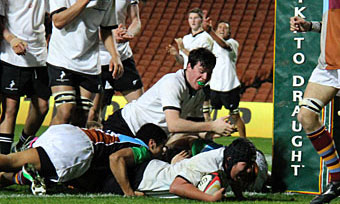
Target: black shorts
[[230, 100], [60, 76], [20, 81], [47, 169], [117, 124], [130, 80]]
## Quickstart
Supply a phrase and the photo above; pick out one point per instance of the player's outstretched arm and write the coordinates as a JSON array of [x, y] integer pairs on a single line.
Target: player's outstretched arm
[[183, 188], [207, 26], [119, 162]]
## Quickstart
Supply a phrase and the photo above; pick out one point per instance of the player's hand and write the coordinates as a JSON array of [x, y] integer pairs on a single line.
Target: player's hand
[[171, 50], [222, 127], [218, 195], [299, 24], [180, 156], [119, 33], [116, 67], [207, 24], [179, 42], [19, 46]]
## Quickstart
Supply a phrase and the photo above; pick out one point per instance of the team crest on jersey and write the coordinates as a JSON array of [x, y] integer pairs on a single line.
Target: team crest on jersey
[[11, 86], [61, 77]]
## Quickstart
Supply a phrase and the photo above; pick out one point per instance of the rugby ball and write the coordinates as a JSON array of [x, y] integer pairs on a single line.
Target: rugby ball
[[210, 183]]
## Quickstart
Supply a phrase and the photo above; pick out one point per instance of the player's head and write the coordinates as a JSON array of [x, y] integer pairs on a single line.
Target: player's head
[[195, 19], [239, 158], [223, 29], [201, 62], [153, 136]]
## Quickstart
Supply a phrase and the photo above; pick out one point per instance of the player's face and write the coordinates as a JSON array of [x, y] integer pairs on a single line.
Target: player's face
[[156, 150], [223, 30], [240, 171], [197, 76], [195, 21]]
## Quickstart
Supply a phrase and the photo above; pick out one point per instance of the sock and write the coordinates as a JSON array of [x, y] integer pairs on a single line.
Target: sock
[[19, 179], [324, 145], [22, 138], [6, 143]]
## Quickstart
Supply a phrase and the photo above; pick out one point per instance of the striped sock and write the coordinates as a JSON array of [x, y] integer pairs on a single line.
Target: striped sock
[[19, 179], [6, 143], [324, 145]]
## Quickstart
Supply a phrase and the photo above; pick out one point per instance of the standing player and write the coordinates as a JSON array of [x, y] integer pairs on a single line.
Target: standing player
[[171, 101], [2, 18], [130, 84], [65, 152], [197, 38], [224, 84], [23, 61], [73, 58], [322, 87]]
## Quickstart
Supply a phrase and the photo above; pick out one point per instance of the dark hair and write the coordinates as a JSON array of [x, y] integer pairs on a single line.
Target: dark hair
[[198, 11], [240, 150], [152, 131], [204, 56]]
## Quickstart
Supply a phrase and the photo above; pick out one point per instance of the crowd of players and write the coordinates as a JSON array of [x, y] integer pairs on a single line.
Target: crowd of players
[[81, 62]]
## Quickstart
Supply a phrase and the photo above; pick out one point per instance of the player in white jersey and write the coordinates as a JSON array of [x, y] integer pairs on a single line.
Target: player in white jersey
[[65, 152], [224, 83], [73, 58], [235, 162], [2, 18], [130, 84], [195, 39], [24, 72], [171, 101]]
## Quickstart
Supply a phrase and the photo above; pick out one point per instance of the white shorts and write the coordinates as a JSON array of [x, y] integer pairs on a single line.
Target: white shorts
[[326, 77], [69, 149]]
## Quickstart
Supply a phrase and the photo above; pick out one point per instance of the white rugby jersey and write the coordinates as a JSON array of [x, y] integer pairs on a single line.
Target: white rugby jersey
[[124, 49], [198, 40], [171, 91], [159, 175], [224, 77], [76, 46], [2, 8], [26, 21]]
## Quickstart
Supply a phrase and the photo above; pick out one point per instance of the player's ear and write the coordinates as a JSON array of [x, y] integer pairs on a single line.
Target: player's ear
[[152, 144]]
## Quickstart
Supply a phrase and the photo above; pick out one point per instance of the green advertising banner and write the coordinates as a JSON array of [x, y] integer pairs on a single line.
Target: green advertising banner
[[296, 165]]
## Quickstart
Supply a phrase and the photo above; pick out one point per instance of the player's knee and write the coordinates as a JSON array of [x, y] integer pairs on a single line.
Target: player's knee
[[307, 118], [64, 97]]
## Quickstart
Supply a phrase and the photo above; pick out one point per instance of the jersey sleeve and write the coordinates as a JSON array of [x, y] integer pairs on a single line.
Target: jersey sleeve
[[141, 154], [170, 93], [110, 18], [55, 5]]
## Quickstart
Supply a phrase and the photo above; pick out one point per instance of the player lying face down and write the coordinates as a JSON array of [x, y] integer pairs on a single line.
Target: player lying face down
[[236, 160], [66, 152]]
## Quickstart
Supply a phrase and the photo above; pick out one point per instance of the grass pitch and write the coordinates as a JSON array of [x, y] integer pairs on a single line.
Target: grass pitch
[[22, 194]]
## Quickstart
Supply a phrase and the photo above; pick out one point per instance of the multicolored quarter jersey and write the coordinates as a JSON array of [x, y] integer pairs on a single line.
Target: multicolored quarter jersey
[[106, 143], [330, 36]]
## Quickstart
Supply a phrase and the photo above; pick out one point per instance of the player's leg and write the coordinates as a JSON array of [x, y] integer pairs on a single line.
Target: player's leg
[[84, 104], [235, 115], [39, 94], [130, 84], [315, 97], [14, 161], [65, 104], [95, 110], [64, 92], [89, 85], [13, 81]]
